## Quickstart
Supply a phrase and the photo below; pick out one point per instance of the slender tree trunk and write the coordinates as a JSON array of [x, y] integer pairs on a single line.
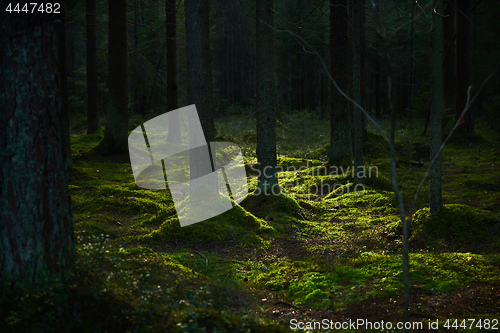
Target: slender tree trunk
[[411, 73], [356, 80], [340, 122], [36, 228], [139, 82], [449, 78], [92, 86], [116, 131], [265, 97], [436, 201], [200, 89], [464, 62], [362, 54], [171, 34]]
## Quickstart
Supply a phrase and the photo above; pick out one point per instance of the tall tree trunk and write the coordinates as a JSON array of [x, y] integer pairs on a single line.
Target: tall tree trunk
[[356, 83], [362, 53], [340, 122], [36, 228], [139, 82], [464, 62], [436, 201], [200, 89], [265, 97], [63, 75], [449, 78], [411, 72], [92, 86], [171, 41], [116, 131]]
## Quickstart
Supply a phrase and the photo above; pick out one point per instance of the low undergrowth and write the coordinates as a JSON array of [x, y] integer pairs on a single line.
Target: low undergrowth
[[323, 248]]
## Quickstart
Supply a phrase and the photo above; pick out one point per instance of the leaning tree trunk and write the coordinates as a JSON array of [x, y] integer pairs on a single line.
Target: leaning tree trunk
[[463, 21], [265, 97], [36, 228], [340, 122], [436, 201], [116, 131]]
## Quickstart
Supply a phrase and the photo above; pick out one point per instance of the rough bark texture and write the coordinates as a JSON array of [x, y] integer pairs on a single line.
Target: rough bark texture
[[265, 96], [356, 83], [116, 132], [63, 75], [464, 62], [36, 228], [436, 201], [200, 89], [171, 41], [340, 123], [92, 87]]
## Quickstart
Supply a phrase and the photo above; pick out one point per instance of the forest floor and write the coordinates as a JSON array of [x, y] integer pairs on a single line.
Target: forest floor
[[318, 251]]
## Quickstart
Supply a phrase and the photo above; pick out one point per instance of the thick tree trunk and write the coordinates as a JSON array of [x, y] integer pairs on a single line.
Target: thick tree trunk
[[464, 62], [436, 201], [200, 89], [265, 97], [36, 228], [92, 86], [63, 75], [116, 132], [340, 122]]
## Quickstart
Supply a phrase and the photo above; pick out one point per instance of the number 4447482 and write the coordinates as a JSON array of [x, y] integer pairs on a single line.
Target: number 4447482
[[33, 7], [488, 324]]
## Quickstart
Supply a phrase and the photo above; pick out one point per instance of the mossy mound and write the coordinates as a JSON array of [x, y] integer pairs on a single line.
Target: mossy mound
[[349, 196], [235, 226], [457, 228], [273, 207]]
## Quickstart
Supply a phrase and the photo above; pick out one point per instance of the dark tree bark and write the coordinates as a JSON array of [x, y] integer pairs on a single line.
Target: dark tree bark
[[139, 82], [464, 62], [265, 97], [449, 78], [411, 71], [340, 123], [356, 83], [116, 131], [92, 86], [171, 41], [200, 89], [36, 228], [63, 74], [436, 201]]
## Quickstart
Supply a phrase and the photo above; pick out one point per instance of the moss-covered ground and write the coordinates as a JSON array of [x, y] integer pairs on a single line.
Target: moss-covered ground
[[319, 250]]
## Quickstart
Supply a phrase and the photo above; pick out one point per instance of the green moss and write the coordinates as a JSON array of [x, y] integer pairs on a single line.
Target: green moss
[[460, 227], [235, 225]]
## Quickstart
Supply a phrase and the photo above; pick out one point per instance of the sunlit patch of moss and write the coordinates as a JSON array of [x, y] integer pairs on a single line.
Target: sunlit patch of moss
[[84, 142], [236, 226]]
